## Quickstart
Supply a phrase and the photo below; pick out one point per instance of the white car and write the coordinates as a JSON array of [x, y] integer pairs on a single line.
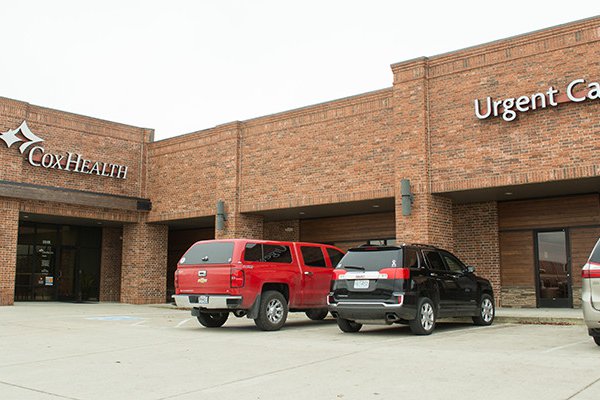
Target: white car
[[590, 294]]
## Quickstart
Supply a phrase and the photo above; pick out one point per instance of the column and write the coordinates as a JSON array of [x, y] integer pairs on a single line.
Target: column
[[144, 265], [9, 233], [110, 264]]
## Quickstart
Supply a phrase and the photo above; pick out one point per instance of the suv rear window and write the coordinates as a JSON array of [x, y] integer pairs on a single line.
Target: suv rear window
[[208, 253], [595, 257], [371, 260]]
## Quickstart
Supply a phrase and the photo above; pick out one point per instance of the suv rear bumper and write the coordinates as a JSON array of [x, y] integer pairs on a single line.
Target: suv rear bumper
[[590, 314], [215, 301], [372, 311]]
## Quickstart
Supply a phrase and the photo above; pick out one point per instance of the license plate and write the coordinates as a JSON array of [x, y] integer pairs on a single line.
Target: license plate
[[361, 284], [202, 299]]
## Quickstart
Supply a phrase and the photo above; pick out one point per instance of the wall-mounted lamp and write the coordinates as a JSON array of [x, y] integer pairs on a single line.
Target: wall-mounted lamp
[[221, 216], [407, 197]]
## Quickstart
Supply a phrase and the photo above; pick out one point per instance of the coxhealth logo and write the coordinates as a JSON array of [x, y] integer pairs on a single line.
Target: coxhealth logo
[[68, 161]]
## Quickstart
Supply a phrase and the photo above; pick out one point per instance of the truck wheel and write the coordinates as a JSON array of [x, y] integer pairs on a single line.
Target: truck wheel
[[486, 311], [213, 320], [424, 323], [272, 312], [348, 326], [317, 314]]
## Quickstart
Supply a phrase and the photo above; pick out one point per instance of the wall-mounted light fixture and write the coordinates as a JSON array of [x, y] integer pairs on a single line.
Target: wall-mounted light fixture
[[221, 216], [407, 197]]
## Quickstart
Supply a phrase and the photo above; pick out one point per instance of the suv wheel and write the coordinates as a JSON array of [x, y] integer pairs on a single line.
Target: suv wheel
[[273, 311], [317, 314], [348, 326], [213, 320], [424, 323], [597, 340], [486, 311]]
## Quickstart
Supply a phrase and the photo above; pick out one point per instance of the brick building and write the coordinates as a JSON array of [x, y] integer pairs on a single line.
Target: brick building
[[499, 144]]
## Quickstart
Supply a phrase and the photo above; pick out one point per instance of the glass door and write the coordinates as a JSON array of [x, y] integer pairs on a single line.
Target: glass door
[[553, 269]]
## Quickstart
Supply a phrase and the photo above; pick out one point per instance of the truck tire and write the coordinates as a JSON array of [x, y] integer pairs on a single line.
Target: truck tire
[[348, 326], [213, 320], [317, 314], [485, 311], [272, 312], [424, 323]]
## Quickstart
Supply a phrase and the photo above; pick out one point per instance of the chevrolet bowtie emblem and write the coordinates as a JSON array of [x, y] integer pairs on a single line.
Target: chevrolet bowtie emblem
[[28, 138]]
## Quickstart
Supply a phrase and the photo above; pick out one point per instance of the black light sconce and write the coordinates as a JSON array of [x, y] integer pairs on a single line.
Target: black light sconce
[[407, 197], [221, 216]]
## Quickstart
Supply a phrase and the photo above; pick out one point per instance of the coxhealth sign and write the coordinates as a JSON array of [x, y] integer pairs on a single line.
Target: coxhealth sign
[[67, 161], [576, 91]]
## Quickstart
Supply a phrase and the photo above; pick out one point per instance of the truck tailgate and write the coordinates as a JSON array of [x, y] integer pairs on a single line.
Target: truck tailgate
[[204, 279]]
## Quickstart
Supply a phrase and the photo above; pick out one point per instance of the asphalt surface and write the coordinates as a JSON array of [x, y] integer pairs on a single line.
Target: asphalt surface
[[118, 351]]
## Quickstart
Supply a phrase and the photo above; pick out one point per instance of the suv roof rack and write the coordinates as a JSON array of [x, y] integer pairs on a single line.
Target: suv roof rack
[[420, 245]]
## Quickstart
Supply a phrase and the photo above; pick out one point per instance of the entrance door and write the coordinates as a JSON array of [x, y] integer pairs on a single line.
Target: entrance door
[[66, 278], [553, 269]]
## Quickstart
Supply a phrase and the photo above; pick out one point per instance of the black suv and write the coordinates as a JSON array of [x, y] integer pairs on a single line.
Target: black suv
[[409, 284]]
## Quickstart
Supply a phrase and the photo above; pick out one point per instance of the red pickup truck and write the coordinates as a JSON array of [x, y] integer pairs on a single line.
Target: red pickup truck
[[262, 280]]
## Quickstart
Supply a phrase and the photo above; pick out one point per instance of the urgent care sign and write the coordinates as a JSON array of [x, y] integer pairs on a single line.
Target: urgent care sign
[[576, 91]]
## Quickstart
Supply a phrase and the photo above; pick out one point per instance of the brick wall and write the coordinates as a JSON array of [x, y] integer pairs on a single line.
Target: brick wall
[[475, 228], [94, 139], [144, 263], [110, 264], [9, 232], [282, 230]]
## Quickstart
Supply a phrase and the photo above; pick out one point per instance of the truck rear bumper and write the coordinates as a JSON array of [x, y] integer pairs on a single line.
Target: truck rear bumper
[[208, 301]]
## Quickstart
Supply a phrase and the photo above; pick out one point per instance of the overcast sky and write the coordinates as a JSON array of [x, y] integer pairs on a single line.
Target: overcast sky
[[180, 66]]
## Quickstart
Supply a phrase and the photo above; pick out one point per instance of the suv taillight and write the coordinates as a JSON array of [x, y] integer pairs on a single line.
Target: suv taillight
[[176, 281], [590, 270], [237, 277], [395, 273], [337, 273]]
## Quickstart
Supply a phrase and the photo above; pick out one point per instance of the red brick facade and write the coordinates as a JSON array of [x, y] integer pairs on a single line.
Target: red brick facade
[[320, 171]]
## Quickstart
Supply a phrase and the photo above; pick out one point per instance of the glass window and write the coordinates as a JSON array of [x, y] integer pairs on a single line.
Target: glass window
[[277, 253], [255, 252], [453, 263], [313, 256], [370, 260], [595, 257], [209, 253], [435, 260], [335, 256], [411, 258]]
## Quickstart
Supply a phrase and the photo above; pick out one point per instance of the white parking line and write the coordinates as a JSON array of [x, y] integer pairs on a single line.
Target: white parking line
[[564, 347], [183, 322], [139, 323]]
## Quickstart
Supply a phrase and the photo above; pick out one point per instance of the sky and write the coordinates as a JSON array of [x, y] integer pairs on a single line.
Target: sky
[[181, 66]]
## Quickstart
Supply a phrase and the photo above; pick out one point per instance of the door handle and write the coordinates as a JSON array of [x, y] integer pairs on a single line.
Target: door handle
[[308, 273]]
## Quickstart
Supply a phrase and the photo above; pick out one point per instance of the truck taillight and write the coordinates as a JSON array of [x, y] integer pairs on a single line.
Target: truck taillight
[[176, 281], [237, 277], [590, 270]]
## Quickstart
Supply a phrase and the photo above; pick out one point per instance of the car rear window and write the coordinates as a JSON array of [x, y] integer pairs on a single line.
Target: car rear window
[[208, 253], [371, 260], [595, 257]]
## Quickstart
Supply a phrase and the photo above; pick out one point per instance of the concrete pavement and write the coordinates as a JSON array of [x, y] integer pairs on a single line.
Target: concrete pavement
[[118, 351]]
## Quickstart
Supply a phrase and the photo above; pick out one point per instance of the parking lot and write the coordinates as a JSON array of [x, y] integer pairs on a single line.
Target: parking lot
[[118, 351]]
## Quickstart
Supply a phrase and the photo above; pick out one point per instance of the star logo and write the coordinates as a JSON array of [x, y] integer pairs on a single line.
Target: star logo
[[21, 134]]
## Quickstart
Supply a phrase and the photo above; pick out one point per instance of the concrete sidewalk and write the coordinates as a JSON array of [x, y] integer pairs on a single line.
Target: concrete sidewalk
[[552, 316]]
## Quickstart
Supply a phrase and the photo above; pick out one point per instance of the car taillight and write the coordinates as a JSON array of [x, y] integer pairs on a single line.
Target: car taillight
[[590, 270], [237, 277], [337, 273]]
